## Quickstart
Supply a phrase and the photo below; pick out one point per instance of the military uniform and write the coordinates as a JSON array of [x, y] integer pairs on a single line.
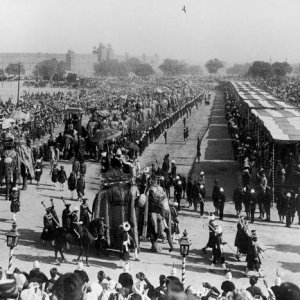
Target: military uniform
[[84, 214]]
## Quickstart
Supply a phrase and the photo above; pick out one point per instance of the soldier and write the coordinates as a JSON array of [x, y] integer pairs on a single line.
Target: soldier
[[14, 197], [75, 223], [252, 204], [202, 194], [189, 191], [80, 187], [76, 167], [215, 196], [54, 174], [267, 203], [202, 178], [218, 253], [222, 200], [82, 168], [49, 226], [173, 170], [253, 259], [84, 213], [211, 226], [66, 220], [238, 199], [281, 205], [38, 170], [288, 209], [72, 184], [62, 177], [127, 243], [178, 192], [247, 201]]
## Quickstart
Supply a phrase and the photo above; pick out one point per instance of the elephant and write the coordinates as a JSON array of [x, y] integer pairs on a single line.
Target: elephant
[[154, 208], [69, 143], [92, 143], [115, 203], [9, 169]]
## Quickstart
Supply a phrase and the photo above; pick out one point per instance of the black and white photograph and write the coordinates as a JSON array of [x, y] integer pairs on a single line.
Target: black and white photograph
[[149, 150]]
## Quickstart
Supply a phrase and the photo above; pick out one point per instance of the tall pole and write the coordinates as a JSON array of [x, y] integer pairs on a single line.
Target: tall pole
[[19, 85], [11, 255], [183, 270]]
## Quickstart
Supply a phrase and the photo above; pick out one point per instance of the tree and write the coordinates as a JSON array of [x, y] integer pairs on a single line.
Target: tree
[[72, 78], [214, 65], [281, 68], [110, 68], [173, 67], [238, 69], [195, 70], [13, 69], [143, 70], [48, 68], [260, 69]]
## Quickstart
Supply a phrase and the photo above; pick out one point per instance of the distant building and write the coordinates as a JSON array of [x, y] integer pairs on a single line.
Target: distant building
[[70, 60], [109, 52]]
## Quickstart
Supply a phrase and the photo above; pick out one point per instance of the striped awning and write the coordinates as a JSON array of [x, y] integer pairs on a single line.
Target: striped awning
[[283, 125], [267, 104]]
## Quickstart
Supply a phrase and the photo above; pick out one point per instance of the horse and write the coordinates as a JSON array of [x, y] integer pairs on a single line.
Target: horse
[[87, 237]]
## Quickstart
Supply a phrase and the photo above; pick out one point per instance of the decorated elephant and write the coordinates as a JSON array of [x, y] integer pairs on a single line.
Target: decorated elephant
[[15, 161], [154, 209], [92, 143], [115, 203]]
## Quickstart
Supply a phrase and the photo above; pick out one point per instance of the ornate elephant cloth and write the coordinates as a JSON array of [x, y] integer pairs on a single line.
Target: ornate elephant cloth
[[10, 160], [25, 156], [115, 203]]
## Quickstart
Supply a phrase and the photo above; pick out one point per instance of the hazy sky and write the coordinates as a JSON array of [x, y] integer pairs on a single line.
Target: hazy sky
[[232, 30]]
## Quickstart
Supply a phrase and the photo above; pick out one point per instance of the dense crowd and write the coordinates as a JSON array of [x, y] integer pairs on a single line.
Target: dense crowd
[[78, 285]]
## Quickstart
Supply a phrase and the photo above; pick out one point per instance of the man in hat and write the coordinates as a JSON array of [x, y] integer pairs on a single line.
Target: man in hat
[[252, 204], [75, 223], [217, 248], [222, 199], [104, 162], [84, 213], [211, 229], [127, 243], [80, 271], [216, 195], [173, 170], [66, 220], [202, 194], [238, 199], [227, 285], [253, 259], [178, 193], [289, 209], [49, 226], [189, 191]]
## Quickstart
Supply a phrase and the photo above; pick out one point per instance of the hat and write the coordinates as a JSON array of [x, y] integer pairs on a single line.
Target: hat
[[277, 280], [201, 173], [218, 229], [221, 189], [177, 177], [67, 204], [252, 191], [126, 226], [179, 182], [228, 276], [201, 186], [76, 208], [80, 266], [253, 233], [104, 281], [36, 264], [146, 170], [173, 161], [126, 268], [212, 217], [288, 194], [119, 152], [103, 154], [15, 188]]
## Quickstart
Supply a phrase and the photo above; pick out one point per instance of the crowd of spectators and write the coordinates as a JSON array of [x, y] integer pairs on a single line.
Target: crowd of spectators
[[78, 285]]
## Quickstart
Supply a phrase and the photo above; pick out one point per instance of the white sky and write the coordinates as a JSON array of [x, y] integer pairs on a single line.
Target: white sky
[[232, 30]]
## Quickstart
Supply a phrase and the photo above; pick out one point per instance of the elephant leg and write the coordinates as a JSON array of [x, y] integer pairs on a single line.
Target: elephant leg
[[8, 187], [169, 237]]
